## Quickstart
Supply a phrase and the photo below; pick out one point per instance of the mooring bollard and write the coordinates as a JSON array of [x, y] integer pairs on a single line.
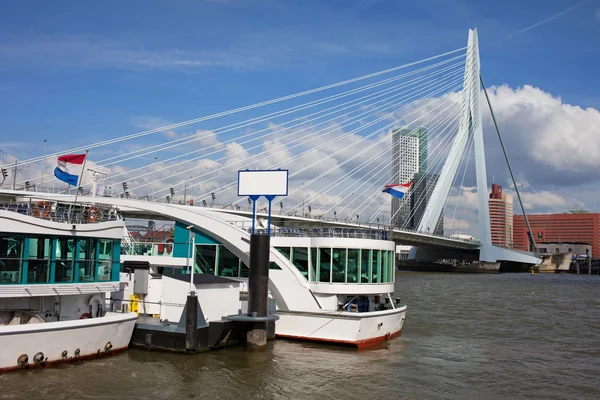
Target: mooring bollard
[[258, 289], [191, 322]]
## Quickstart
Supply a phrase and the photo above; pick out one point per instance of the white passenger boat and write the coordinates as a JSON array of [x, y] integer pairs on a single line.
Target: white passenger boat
[[351, 276], [331, 285], [56, 265]]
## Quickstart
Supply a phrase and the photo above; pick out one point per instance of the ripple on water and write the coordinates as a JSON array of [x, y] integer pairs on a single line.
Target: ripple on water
[[499, 336]]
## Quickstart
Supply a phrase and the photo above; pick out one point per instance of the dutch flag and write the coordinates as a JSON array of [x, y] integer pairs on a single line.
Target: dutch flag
[[398, 190], [69, 168]]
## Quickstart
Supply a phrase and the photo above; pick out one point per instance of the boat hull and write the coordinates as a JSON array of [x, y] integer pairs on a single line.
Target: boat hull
[[360, 330], [94, 337]]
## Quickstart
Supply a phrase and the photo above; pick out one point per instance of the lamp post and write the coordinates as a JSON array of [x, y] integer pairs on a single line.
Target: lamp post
[[184, 192], [42, 180]]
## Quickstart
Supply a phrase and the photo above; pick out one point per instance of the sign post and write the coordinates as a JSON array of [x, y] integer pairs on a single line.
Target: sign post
[[258, 183], [255, 184]]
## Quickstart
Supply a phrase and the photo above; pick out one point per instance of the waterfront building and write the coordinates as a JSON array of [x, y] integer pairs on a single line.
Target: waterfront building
[[409, 157], [579, 250], [501, 217], [574, 226]]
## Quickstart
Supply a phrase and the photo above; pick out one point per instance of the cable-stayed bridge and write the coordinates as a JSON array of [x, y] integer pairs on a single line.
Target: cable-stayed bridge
[[342, 143]]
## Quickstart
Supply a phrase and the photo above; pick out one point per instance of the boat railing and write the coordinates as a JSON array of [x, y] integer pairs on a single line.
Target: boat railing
[[62, 212], [333, 232]]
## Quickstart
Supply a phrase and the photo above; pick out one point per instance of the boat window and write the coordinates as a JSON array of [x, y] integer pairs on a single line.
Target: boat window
[[376, 267], [65, 260], [300, 260], [324, 266], [384, 266], [353, 266], [38, 270], [273, 265], [206, 256], [11, 258], [244, 270], [365, 269], [286, 251], [87, 259], [105, 260], [338, 265], [314, 261], [392, 274], [228, 263]]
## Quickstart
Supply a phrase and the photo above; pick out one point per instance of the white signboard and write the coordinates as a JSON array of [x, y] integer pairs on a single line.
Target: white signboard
[[263, 183]]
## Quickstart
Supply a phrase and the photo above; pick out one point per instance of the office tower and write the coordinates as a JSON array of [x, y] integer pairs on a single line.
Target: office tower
[[501, 217], [409, 157]]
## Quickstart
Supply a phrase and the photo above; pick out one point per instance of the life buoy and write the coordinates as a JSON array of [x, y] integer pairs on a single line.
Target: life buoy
[[93, 214], [41, 209], [169, 246]]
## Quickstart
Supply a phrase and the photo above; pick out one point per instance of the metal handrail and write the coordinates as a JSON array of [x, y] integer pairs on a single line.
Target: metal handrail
[[62, 213]]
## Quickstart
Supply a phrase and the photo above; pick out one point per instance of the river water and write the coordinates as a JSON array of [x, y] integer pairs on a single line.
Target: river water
[[501, 336]]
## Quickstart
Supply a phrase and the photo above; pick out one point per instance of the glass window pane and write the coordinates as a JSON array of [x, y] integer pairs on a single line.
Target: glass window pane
[[324, 270], [392, 264], [87, 259], [286, 251], [39, 248], [384, 266], [105, 260], [314, 255], [365, 258], [65, 254], [38, 270], [353, 266], [379, 262], [244, 270], [11, 246], [338, 268], [206, 256], [11, 255], [228, 262], [300, 261], [273, 265], [374, 259]]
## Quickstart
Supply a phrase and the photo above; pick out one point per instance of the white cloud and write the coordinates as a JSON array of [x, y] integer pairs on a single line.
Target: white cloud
[[552, 146], [456, 224], [67, 51], [557, 135], [148, 122], [549, 200]]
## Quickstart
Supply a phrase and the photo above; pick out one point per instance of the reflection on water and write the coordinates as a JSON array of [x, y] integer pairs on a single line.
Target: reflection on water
[[466, 336]]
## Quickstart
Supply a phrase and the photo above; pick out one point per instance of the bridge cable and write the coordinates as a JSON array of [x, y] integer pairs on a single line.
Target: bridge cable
[[512, 176]]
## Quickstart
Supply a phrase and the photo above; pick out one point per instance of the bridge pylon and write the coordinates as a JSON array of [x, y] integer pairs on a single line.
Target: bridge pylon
[[470, 123]]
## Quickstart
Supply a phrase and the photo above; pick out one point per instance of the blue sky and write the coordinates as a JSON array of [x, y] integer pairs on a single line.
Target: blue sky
[[77, 72], [88, 68]]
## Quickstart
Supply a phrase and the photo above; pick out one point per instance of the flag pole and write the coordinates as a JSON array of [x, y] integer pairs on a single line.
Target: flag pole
[[79, 180]]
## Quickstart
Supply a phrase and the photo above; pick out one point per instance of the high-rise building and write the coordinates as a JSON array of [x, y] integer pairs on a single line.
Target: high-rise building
[[501, 217], [409, 157], [419, 198], [576, 226]]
